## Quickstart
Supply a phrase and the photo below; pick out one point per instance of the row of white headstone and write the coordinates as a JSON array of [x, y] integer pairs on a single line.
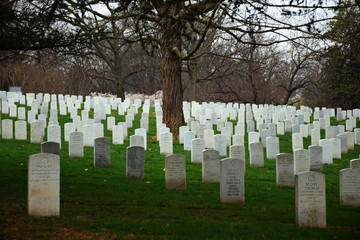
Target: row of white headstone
[[198, 145]]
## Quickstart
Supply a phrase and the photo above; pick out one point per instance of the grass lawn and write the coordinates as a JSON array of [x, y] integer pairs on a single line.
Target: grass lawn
[[101, 203]]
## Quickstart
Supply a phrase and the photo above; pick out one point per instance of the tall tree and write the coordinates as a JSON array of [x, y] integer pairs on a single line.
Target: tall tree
[[340, 82]]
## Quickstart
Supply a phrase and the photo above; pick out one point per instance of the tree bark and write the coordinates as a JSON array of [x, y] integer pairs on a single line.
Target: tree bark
[[170, 69], [117, 71], [193, 68]]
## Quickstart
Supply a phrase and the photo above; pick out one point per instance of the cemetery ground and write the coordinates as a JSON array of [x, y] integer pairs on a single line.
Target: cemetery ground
[[101, 203]]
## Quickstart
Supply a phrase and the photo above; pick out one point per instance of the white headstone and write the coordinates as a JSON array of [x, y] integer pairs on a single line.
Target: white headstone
[[211, 166], [37, 132], [350, 187], [256, 155], [310, 199], [76, 144], [135, 162], [209, 138], [44, 185], [166, 143], [297, 141], [326, 144], [316, 157], [232, 181], [117, 134], [188, 137], [197, 148], [336, 148], [175, 172], [301, 160], [89, 135], [7, 129], [220, 144], [285, 170], [182, 130], [102, 152], [272, 147], [20, 130]]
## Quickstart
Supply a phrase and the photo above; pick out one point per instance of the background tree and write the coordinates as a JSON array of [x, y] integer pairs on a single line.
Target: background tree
[[340, 83]]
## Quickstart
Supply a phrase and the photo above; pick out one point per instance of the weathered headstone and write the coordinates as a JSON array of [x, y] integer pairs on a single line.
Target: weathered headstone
[[188, 137], [310, 199], [175, 172], [336, 148], [37, 132], [285, 170], [237, 151], [264, 134], [182, 130], [117, 134], [137, 140], [343, 141], [102, 152], [7, 129], [253, 137], [135, 161], [211, 166], [50, 147], [357, 136], [301, 160], [197, 148], [256, 155], [315, 136], [316, 157], [54, 134], [89, 135], [272, 147], [110, 123], [68, 128], [166, 143], [44, 185], [220, 144], [350, 140], [142, 132], [76, 144], [350, 187], [209, 138], [326, 144], [280, 128], [297, 141], [20, 130], [232, 181], [355, 163]]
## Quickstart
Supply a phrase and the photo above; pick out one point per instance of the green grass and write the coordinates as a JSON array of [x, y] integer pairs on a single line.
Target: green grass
[[101, 203]]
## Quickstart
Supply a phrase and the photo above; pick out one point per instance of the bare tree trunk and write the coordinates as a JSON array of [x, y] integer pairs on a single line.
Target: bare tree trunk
[[193, 68], [119, 80], [120, 88], [170, 69]]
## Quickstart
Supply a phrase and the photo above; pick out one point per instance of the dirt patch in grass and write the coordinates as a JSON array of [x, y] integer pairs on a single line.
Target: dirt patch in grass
[[17, 225]]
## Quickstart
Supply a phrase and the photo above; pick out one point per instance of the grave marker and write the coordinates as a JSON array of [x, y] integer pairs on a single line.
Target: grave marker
[[211, 166], [102, 152], [256, 155], [285, 170], [44, 185], [232, 181], [76, 144], [135, 161], [175, 172], [50, 147], [310, 200], [350, 187]]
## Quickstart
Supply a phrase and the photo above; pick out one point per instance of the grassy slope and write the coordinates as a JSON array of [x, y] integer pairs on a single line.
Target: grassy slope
[[99, 203]]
